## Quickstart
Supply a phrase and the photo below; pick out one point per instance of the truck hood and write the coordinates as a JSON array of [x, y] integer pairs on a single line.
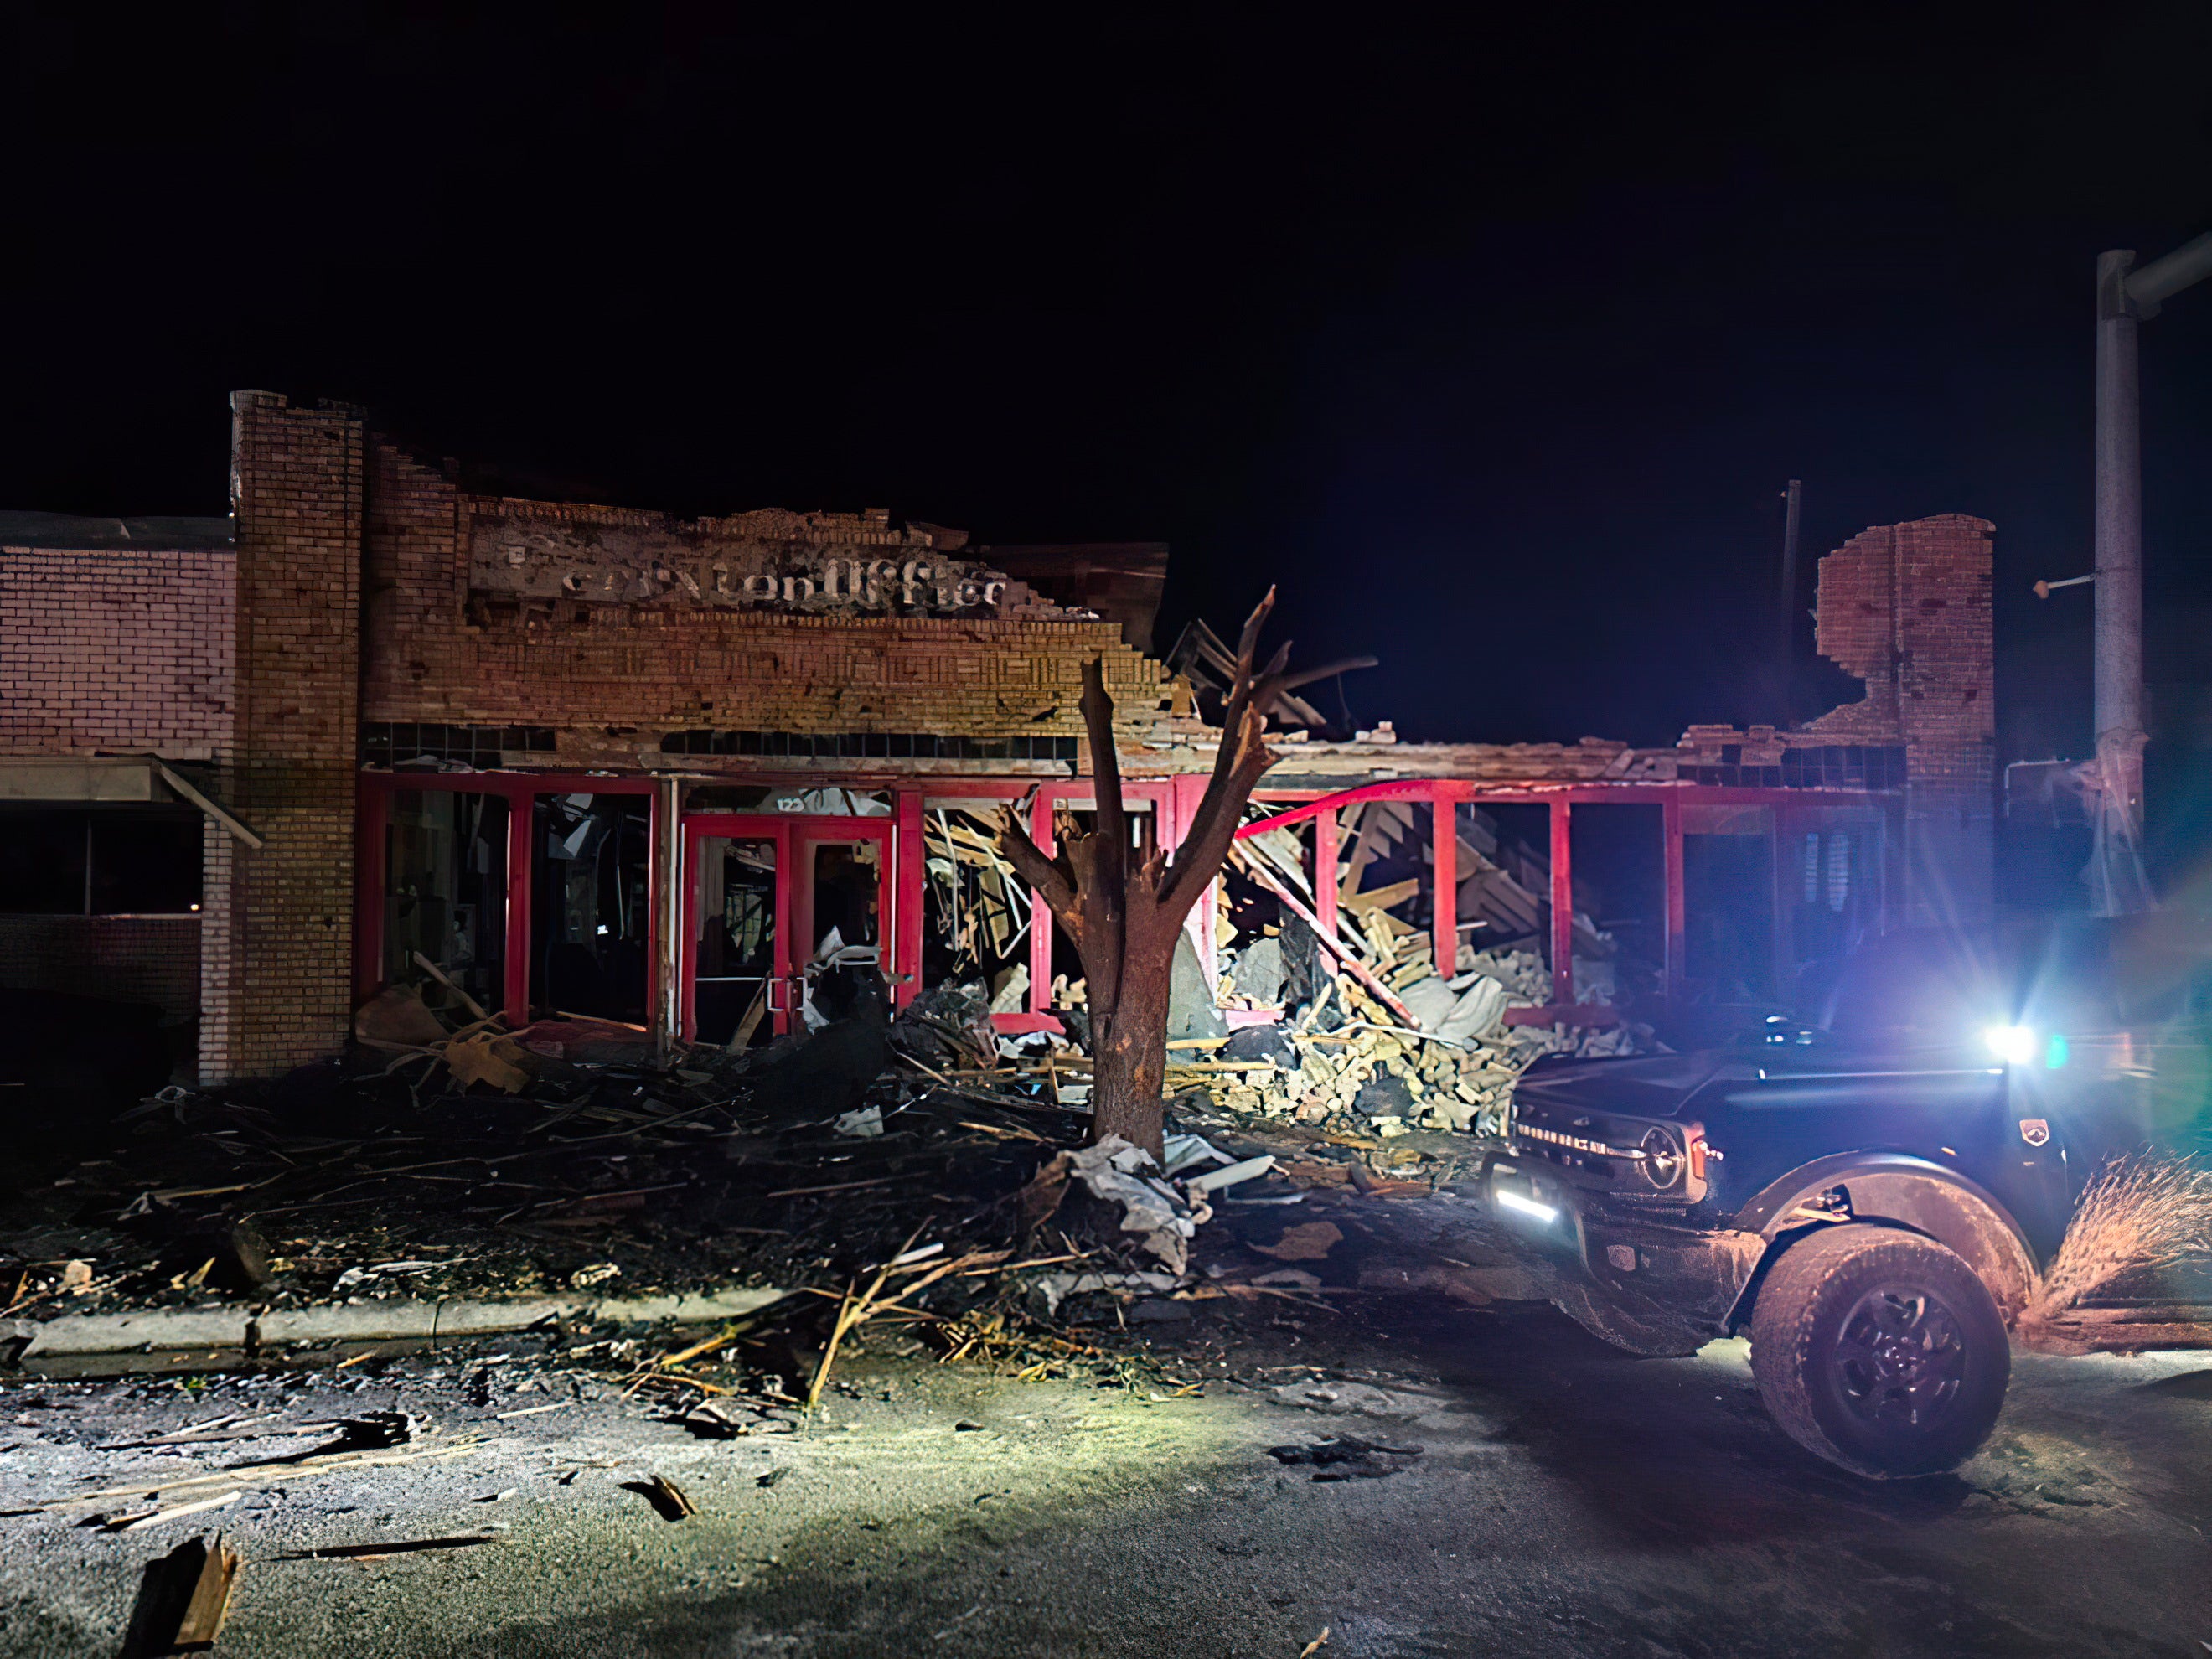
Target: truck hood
[[1649, 1085]]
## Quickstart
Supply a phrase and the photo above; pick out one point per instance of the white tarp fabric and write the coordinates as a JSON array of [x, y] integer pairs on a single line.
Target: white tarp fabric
[[1115, 1172]]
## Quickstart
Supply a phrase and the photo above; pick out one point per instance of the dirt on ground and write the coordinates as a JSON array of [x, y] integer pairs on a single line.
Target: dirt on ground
[[1384, 1451]]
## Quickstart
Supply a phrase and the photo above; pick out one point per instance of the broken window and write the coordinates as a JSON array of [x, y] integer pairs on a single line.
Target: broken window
[[1727, 893], [106, 862], [736, 908], [1618, 860], [1066, 988], [590, 904], [1505, 876], [1834, 895], [445, 890], [975, 913]]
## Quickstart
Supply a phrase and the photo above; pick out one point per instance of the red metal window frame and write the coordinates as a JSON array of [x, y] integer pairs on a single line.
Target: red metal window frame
[[520, 791], [1444, 793], [1173, 799]]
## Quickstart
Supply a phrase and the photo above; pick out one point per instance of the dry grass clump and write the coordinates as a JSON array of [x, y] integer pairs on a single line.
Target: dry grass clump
[[2137, 1213]]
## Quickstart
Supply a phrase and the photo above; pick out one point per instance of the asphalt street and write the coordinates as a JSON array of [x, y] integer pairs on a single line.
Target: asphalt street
[[1564, 1500]]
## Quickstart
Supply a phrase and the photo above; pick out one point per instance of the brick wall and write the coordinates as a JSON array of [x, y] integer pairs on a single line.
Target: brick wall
[[153, 959], [1907, 608], [277, 946], [613, 679], [116, 649]]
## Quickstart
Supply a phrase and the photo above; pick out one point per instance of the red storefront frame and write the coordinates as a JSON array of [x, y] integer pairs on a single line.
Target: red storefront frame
[[373, 813], [1173, 801], [794, 917], [1444, 794]]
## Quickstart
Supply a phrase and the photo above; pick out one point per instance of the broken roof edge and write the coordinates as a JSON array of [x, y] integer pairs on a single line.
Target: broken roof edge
[[103, 532]]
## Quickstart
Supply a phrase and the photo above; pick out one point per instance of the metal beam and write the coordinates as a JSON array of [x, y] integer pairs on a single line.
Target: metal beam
[[1563, 904], [2163, 278], [237, 830]]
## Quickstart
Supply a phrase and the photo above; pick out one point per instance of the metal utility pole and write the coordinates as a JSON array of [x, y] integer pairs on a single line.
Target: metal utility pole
[[1787, 659], [2125, 297]]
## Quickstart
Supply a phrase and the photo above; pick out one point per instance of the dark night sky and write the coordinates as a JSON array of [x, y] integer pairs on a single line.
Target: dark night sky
[[1493, 346]]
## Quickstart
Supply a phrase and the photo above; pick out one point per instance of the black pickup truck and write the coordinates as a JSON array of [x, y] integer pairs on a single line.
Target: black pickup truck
[[1873, 1201]]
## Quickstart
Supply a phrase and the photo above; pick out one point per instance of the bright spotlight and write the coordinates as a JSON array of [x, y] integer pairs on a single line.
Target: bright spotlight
[[2015, 1045], [1527, 1207]]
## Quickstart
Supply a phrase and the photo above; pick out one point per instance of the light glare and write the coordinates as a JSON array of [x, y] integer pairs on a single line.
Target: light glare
[[2015, 1045], [1527, 1207]]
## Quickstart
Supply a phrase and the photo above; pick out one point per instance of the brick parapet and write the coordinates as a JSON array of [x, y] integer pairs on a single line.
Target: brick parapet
[[612, 680]]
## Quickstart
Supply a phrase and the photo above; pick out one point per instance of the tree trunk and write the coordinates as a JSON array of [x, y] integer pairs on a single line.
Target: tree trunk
[[1123, 907], [1128, 1059]]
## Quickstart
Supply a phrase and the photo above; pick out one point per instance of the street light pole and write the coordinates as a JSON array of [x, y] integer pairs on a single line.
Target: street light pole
[[2125, 297]]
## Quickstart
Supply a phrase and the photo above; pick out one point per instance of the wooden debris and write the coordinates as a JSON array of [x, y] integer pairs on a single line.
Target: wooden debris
[[487, 1059], [210, 1602], [159, 1517], [1309, 1241], [378, 1551], [668, 1498]]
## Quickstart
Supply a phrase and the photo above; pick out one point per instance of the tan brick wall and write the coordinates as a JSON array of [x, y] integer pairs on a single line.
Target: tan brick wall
[[613, 679], [278, 961]]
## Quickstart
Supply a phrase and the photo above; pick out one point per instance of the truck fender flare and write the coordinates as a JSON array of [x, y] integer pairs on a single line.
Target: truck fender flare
[[1899, 1190]]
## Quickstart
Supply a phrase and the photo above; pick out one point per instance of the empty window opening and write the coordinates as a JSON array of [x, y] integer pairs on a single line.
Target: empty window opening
[[976, 911], [590, 891], [444, 892], [99, 862]]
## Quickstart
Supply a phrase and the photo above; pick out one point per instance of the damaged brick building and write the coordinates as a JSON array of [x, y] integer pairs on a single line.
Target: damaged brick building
[[607, 762]]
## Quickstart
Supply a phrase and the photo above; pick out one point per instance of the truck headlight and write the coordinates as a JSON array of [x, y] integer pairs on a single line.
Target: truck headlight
[[2015, 1045], [1663, 1158]]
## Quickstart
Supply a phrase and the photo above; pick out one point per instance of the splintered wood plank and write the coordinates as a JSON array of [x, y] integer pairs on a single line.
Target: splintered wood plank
[[210, 1605], [1373, 829], [1381, 898]]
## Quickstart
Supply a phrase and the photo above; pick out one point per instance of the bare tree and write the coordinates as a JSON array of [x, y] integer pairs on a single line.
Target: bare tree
[[1122, 903]]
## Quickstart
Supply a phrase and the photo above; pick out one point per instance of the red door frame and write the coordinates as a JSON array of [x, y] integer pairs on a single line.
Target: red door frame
[[372, 815], [788, 834]]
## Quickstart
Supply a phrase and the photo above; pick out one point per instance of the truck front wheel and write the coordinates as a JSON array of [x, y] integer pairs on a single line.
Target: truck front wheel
[[1880, 1351]]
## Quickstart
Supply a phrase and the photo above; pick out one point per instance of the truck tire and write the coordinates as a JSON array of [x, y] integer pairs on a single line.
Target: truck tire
[[1880, 1351]]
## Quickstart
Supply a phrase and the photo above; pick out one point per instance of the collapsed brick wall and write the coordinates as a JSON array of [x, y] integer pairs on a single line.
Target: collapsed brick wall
[[613, 680], [276, 941], [1907, 608], [117, 649]]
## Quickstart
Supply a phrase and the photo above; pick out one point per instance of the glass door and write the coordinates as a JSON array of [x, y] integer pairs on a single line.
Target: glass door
[[841, 901], [769, 901], [735, 940], [737, 936]]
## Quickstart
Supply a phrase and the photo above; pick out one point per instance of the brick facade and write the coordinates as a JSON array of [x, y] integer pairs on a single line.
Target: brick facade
[[277, 946], [1907, 608], [614, 679], [117, 649], [361, 586]]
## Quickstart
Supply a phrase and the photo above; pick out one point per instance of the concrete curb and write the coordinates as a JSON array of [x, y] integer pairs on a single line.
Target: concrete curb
[[238, 1325]]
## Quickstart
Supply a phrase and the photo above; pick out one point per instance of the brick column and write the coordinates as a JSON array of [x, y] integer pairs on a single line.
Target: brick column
[[1907, 608], [1946, 686], [278, 951]]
